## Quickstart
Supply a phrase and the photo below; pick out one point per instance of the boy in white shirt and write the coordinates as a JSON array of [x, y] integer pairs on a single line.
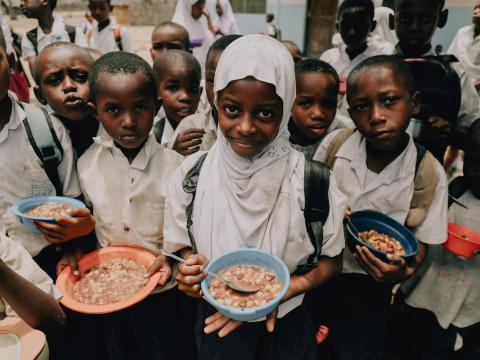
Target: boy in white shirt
[[169, 36], [51, 28], [106, 35], [376, 168]]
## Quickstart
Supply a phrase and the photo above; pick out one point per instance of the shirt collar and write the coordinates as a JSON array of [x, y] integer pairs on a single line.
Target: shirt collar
[[16, 118], [58, 28]]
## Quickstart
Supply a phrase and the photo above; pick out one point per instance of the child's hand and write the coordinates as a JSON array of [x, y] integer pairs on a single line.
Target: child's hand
[[188, 141], [347, 215], [395, 271], [161, 265], [70, 259], [190, 274], [440, 128], [68, 228]]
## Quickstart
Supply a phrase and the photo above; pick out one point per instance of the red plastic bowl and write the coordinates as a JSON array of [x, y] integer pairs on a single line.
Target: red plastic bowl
[[66, 280], [462, 240]]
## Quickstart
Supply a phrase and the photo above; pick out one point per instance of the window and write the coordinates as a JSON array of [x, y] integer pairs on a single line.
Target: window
[[249, 6]]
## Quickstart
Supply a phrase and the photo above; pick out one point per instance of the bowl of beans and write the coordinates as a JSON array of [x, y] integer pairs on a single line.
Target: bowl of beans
[[111, 279], [381, 234], [44, 209], [249, 266]]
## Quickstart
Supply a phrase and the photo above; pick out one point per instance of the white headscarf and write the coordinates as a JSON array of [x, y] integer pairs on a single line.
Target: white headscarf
[[249, 202], [197, 29], [227, 22]]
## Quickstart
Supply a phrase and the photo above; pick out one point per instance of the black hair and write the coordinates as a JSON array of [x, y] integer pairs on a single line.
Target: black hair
[[175, 58], [367, 5], [120, 62], [52, 3], [186, 37], [318, 66], [400, 67], [440, 4], [222, 43]]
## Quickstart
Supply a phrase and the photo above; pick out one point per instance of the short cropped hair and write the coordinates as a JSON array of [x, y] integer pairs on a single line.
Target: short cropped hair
[[439, 3], [120, 62], [222, 43], [316, 66], [173, 58], [174, 25], [367, 5], [400, 67]]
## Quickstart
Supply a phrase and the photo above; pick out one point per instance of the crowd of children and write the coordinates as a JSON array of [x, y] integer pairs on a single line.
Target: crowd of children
[[161, 168]]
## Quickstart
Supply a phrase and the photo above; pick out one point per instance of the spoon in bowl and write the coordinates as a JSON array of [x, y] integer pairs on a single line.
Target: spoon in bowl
[[239, 286]]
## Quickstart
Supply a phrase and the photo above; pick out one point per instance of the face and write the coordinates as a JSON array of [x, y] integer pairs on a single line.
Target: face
[[31, 8], [315, 106], [126, 108], [63, 81], [210, 68], [381, 106], [249, 115], [100, 10], [167, 38], [476, 13], [354, 26], [180, 92], [197, 9], [416, 22], [4, 74], [218, 8]]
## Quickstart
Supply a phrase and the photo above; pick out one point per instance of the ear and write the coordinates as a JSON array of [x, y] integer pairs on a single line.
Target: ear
[[416, 103], [373, 26], [93, 110], [158, 104], [442, 20], [391, 21], [38, 94]]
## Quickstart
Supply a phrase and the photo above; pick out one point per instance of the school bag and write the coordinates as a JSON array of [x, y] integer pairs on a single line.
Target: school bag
[[116, 34], [316, 184], [44, 140], [424, 183], [32, 35]]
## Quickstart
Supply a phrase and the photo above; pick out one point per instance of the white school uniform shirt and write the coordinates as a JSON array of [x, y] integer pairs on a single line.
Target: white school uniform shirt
[[22, 176], [58, 34], [20, 261], [389, 192], [128, 200], [450, 287], [168, 130], [466, 48], [104, 40]]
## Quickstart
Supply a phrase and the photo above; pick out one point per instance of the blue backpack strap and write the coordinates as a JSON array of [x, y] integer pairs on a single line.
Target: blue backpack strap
[[44, 141]]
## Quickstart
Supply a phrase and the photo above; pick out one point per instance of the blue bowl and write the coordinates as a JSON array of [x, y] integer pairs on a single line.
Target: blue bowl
[[22, 206], [366, 220], [247, 256]]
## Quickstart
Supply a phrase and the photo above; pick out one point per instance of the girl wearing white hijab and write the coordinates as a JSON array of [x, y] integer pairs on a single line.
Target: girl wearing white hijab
[[250, 192], [188, 13], [225, 22]]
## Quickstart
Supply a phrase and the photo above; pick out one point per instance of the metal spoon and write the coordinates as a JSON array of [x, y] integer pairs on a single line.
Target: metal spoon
[[235, 285]]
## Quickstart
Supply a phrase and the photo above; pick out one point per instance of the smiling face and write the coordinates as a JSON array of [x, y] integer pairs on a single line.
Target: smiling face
[[100, 10], [166, 38], [381, 106], [62, 74], [249, 115], [125, 106], [354, 25], [315, 105], [179, 88]]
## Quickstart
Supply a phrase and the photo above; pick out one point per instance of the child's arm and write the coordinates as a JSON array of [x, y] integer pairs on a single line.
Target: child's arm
[[38, 309], [190, 273], [161, 265]]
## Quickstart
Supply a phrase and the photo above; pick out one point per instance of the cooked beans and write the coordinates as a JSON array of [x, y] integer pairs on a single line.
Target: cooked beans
[[50, 210], [110, 282], [382, 242], [266, 280]]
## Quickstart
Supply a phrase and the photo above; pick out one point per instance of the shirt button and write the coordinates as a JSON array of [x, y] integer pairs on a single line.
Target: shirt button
[[126, 228]]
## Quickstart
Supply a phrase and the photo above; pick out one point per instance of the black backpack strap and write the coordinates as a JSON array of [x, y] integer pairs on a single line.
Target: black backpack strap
[[32, 36], [317, 207], [158, 129], [457, 188], [72, 32], [190, 182]]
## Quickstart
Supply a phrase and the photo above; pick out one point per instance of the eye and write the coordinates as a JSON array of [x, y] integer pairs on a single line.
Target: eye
[[390, 100], [80, 76], [54, 80], [306, 103], [359, 107], [427, 18], [142, 107], [231, 110], [172, 88], [112, 109], [265, 114]]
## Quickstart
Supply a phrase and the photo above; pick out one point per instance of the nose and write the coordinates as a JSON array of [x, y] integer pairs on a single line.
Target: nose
[[128, 120], [377, 116], [69, 85], [184, 96], [246, 126], [415, 24], [317, 113]]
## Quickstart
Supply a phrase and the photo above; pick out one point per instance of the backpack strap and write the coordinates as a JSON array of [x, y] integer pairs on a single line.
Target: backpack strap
[[335, 145], [457, 188], [71, 31], [316, 185], [189, 184], [117, 33], [32, 36], [424, 186], [44, 141], [158, 129]]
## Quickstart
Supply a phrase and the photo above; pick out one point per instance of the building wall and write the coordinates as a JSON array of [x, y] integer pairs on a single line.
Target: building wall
[[460, 15]]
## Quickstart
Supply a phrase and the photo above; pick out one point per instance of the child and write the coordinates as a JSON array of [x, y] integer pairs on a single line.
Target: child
[[61, 72], [315, 107], [24, 176], [250, 193], [106, 35], [272, 29], [199, 131], [169, 36], [293, 49], [178, 75], [442, 313], [51, 28], [124, 176], [447, 125], [379, 167], [225, 23]]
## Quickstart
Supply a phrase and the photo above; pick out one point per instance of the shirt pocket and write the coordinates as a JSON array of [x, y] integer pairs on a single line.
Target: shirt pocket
[[148, 219]]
